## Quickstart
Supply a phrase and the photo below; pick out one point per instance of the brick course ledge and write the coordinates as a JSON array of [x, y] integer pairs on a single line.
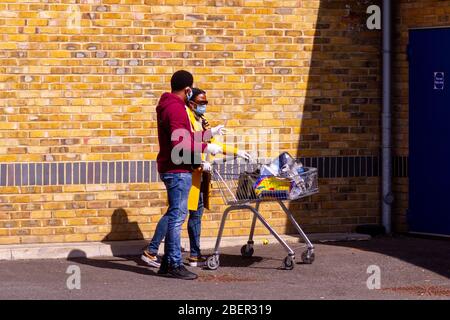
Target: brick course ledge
[[111, 172]]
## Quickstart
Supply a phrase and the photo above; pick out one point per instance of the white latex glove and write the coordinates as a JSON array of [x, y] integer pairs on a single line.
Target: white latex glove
[[206, 166], [244, 155], [219, 130], [213, 149]]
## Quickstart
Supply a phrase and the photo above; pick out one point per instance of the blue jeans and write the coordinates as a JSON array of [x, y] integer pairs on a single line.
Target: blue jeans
[[194, 230], [178, 186]]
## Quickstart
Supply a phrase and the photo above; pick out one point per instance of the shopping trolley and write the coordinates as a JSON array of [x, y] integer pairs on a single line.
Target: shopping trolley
[[237, 191]]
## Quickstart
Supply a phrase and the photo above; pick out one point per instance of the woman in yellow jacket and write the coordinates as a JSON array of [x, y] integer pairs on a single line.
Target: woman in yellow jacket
[[199, 193]]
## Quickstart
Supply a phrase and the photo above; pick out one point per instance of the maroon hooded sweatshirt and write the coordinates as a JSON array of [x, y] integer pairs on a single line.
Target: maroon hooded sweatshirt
[[171, 116]]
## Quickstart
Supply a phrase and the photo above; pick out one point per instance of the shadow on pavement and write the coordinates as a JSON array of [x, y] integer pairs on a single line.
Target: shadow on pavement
[[430, 254], [237, 261], [79, 256]]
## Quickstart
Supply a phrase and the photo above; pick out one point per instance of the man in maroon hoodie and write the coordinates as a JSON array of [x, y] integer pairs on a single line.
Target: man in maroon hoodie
[[179, 149]]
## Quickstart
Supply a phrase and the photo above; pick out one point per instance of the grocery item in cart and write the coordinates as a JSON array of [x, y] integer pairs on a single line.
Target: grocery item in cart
[[284, 178], [298, 188], [282, 166], [272, 187], [289, 167], [269, 170], [304, 183], [245, 189]]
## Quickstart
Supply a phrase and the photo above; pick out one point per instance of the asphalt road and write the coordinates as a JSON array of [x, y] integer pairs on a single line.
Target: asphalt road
[[410, 268]]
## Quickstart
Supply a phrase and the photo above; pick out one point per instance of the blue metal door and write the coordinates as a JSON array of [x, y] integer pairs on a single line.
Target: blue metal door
[[429, 131]]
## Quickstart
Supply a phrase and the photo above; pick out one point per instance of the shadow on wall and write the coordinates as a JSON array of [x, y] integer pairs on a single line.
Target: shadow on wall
[[121, 229], [340, 117]]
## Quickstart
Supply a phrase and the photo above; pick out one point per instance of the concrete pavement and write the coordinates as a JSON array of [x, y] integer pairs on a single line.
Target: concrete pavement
[[410, 268]]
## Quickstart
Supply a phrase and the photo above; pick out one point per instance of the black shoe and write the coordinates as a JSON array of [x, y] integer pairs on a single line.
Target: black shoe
[[164, 268], [181, 272]]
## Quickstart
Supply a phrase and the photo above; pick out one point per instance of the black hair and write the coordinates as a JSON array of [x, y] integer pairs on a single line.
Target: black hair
[[196, 92], [180, 80]]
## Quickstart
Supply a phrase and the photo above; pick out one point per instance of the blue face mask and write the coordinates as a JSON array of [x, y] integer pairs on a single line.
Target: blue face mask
[[201, 109]]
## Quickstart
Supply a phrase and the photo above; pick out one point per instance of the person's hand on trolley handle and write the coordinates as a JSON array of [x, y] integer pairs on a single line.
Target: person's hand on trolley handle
[[244, 155], [214, 149], [206, 166], [218, 130]]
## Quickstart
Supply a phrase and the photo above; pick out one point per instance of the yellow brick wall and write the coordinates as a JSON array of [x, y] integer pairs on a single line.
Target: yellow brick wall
[[80, 82]]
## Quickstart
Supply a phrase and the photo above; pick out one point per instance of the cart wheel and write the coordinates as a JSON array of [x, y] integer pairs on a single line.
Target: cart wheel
[[212, 262], [247, 251], [308, 257], [288, 263]]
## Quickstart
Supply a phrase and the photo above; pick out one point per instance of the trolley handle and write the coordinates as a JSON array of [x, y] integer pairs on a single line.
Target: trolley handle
[[223, 160], [232, 158]]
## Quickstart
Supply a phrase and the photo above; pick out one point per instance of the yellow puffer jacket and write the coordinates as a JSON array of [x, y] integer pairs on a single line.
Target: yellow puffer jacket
[[194, 193]]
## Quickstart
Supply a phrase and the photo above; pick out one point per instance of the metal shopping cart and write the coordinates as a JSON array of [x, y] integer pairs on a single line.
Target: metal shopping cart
[[238, 192]]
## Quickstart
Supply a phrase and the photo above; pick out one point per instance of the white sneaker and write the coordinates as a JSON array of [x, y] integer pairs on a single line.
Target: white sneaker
[[197, 261], [151, 259]]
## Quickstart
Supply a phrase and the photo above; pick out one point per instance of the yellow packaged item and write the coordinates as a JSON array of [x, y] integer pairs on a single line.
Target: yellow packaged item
[[272, 187]]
